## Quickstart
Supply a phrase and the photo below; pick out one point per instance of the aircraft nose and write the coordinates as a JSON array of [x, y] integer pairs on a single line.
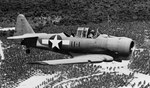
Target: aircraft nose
[[126, 45], [121, 45]]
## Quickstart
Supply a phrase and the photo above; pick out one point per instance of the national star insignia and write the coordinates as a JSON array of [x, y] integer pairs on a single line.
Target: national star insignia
[[55, 42]]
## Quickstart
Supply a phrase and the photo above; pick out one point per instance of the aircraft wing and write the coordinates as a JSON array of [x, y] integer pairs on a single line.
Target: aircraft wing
[[78, 59]]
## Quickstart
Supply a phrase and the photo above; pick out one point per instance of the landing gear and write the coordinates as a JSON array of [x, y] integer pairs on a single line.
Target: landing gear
[[90, 62], [27, 51]]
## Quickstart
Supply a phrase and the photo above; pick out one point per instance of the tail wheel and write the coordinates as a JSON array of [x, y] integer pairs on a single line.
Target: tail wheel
[[27, 51]]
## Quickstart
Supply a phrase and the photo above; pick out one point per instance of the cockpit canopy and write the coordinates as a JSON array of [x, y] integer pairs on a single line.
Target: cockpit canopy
[[82, 32]]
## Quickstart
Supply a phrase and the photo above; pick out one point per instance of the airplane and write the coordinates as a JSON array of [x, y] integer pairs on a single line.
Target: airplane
[[80, 48]]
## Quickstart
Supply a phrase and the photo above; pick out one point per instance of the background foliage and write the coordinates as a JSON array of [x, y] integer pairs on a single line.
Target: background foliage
[[75, 12], [129, 18]]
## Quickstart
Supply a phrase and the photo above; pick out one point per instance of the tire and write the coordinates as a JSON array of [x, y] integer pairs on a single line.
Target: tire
[[27, 51]]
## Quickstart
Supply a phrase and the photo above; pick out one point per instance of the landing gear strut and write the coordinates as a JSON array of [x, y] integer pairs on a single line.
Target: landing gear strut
[[90, 62], [27, 51]]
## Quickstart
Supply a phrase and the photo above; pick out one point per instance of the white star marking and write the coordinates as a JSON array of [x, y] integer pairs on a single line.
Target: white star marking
[[55, 42]]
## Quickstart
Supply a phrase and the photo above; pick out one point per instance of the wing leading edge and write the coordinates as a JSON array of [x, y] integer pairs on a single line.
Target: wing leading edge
[[78, 59]]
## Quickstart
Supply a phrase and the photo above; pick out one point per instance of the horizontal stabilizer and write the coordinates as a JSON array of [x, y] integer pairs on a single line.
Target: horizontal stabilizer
[[78, 59], [20, 37], [25, 36]]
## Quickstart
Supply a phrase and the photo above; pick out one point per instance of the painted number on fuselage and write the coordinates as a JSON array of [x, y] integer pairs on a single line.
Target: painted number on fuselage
[[75, 44]]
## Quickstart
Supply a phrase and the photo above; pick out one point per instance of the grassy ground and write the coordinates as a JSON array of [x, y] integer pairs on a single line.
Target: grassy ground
[[15, 65]]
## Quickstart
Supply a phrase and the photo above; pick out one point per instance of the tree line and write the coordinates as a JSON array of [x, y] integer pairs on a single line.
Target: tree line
[[78, 11]]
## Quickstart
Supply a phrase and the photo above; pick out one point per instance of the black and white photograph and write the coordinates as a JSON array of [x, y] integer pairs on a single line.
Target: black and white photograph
[[74, 43]]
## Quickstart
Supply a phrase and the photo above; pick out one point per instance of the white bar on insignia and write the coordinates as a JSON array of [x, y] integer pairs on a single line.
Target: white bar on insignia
[[65, 42], [44, 41]]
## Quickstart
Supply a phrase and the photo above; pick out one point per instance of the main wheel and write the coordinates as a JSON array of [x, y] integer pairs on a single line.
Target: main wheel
[[27, 51]]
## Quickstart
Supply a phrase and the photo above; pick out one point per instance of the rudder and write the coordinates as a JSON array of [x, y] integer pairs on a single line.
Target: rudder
[[22, 26]]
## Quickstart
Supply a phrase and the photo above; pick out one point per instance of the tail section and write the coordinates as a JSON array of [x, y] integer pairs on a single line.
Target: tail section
[[22, 26]]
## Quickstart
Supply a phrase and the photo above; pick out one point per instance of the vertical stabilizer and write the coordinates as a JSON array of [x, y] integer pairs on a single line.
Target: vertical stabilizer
[[22, 26]]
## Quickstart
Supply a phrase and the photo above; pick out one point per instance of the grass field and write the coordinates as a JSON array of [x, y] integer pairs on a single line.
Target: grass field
[[15, 66]]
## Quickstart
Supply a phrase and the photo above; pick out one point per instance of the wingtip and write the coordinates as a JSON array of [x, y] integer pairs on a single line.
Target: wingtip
[[9, 37], [37, 63], [13, 37]]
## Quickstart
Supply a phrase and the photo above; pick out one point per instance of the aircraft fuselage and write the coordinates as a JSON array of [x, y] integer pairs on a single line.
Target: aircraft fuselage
[[60, 43]]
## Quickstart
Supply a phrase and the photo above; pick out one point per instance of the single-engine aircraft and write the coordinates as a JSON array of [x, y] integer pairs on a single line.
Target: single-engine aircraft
[[81, 48]]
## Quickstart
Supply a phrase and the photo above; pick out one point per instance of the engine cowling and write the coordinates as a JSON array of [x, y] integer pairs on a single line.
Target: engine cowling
[[120, 45]]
